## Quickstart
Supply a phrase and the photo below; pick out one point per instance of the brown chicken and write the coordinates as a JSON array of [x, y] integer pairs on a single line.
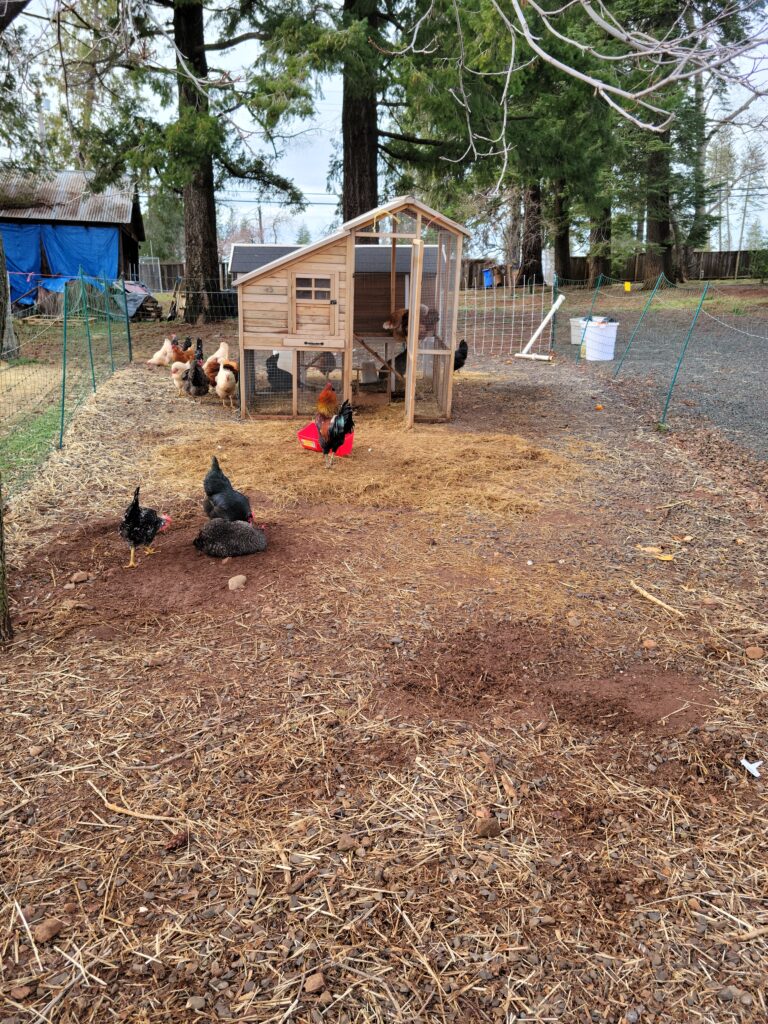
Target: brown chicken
[[179, 355], [212, 366]]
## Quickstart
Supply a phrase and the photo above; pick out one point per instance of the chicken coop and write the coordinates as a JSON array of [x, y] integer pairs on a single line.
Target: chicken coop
[[372, 308]]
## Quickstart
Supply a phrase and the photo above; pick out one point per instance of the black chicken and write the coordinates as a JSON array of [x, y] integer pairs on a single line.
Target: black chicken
[[187, 343], [279, 379], [141, 526], [460, 355], [222, 539], [194, 381], [221, 500], [199, 351]]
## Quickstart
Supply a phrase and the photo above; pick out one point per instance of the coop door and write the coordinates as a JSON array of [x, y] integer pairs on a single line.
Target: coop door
[[315, 309]]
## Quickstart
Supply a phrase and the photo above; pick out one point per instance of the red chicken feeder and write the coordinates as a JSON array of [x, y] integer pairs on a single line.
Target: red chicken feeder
[[309, 439]]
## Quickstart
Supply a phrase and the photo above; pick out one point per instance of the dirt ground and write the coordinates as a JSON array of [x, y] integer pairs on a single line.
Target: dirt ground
[[466, 746]]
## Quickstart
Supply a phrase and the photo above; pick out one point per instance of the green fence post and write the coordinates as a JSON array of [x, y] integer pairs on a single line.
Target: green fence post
[[109, 323], [127, 322], [589, 315], [84, 297], [637, 325], [682, 353], [63, 371]]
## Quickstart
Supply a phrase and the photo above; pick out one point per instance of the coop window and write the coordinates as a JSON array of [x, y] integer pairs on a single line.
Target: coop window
[[316, 289]]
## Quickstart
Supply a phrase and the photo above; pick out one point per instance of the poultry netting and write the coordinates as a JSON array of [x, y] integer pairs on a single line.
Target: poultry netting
[[267, 382]]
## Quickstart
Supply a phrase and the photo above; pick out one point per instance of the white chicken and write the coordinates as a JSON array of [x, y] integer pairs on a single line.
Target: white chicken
[[226, 385], [177, 369], [163, 355]]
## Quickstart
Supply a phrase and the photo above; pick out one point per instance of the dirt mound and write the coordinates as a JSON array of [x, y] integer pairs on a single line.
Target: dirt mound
[[522, 671]]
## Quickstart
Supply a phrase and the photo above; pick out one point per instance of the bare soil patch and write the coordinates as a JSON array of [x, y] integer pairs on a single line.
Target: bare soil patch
[[524, 671]]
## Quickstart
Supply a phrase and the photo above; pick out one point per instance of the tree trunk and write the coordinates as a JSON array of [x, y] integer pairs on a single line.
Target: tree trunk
[[698, 235], [658, 236], [561, 216], [6, 630], [530, 264], [9, 346], [199, 202], [360, 122], [600, 244], [10, 10]]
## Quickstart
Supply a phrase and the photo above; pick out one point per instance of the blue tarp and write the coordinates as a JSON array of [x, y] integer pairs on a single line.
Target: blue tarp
[[70, 249], [22, 255]]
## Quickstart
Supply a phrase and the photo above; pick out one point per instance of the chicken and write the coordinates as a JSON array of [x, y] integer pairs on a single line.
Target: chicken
[[398, 323], [187, 343], [212, 366], [279, 379], [222, 501], [222, 539], [226, 385], [460, 355], [180, 355], [141, 526], [177, 375], [163, 355], [199, 351], [194, 382], [333, 423], [220, 355], [324, 362]]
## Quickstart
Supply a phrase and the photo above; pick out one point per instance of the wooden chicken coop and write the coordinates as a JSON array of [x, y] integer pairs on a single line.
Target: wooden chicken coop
[[318, 313]]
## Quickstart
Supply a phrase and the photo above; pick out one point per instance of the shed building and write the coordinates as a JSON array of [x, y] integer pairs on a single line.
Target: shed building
[[54, 227]]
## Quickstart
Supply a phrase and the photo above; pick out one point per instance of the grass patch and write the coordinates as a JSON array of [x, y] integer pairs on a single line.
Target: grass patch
[[28, 444]]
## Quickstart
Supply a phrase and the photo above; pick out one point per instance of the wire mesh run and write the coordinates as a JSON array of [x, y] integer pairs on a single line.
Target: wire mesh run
[[315, 370], [267, 382]]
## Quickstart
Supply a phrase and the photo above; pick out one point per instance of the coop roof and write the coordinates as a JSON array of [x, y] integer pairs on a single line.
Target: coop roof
[[369, 259], [67, 196], [402, 202]]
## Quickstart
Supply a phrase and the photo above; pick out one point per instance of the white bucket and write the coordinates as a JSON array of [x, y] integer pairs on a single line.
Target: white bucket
[[600, 341], [577, 329]]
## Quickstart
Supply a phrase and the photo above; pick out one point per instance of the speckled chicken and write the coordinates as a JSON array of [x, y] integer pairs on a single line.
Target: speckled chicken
[[220, 538]]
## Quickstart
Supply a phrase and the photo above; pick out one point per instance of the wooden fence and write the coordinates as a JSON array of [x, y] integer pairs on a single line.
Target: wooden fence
[[702, 266]]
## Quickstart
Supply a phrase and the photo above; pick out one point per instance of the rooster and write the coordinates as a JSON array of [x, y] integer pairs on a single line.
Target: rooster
[[222, 501], [141, 526], [199, 351], [333, 423]]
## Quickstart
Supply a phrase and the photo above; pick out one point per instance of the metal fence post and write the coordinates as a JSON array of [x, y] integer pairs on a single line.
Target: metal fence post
[[637, 325], [87, 328], [63, 371], [682, 353], [127, 322], [109, 323]]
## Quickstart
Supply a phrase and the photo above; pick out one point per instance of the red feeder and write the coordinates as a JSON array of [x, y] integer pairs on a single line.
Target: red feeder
[[309, 439]]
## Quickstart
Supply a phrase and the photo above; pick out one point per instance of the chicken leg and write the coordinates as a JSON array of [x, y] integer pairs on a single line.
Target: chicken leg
[[132, 563], [149, 550]]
